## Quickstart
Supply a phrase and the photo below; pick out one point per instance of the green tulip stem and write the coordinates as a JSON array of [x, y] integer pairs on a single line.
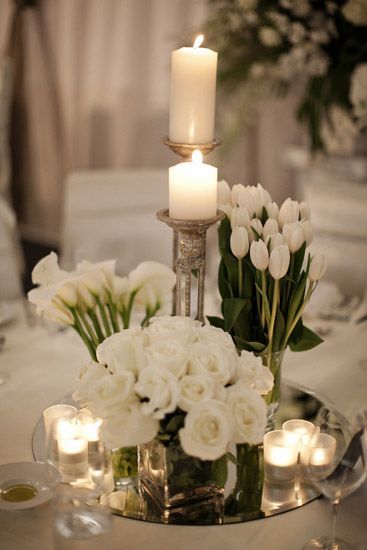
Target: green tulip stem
[[263, 288], [240, 277], [79, 329], [272, 319], [97, 327], [104, 317], [297, 316]]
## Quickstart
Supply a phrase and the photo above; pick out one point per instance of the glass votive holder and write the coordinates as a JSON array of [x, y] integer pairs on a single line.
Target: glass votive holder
[[72, 447], [299, 427], [317, 456], [51, 414], [91, 426], [280, 456]]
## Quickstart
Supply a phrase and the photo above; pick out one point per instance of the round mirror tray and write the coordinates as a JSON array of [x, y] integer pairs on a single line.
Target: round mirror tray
[[134, 502]]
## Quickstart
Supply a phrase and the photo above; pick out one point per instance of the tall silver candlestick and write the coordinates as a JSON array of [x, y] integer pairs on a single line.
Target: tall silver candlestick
[[185, 150], [191, 253]]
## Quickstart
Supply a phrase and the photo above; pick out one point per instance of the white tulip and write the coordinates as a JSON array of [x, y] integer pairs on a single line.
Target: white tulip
[[256, 225], [239, 216], [273, 210], [304, 210], [239, 242], [308, 230], [293, 235], [279, 261], [317, 267], [226, 208], [235, 191], [224, 192], [257, 199], [288, 213], [264, 195], [274, 240], [259, 255], [248, 199], [270, 228]]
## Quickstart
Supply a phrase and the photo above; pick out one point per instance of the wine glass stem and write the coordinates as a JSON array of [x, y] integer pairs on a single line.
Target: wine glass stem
[[335, 508]]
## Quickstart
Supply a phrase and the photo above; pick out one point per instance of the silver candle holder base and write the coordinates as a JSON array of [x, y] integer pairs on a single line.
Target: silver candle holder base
[[185, 150], [191, 254]]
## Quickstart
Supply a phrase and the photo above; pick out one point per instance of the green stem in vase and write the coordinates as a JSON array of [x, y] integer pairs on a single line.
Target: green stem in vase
[[240, 278], [272, 320], [263, 287], [297, 317], [104, 317]]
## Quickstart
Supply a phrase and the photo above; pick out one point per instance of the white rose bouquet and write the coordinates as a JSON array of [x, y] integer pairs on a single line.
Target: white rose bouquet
[[266, 274], [313, 47], [179, 382], [95, 301]]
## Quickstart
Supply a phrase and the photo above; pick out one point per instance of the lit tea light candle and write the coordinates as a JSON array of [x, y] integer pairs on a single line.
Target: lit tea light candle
[[52, 414], [193, 189], [317, 455], [280, 456], [299, 427], [72, 449], [91, 427], [193, 88]]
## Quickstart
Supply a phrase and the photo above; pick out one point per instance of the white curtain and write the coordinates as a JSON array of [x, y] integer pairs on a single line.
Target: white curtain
[[92, 91]]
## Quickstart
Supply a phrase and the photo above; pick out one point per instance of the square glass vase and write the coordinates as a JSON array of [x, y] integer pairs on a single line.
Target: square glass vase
[[172, 478]]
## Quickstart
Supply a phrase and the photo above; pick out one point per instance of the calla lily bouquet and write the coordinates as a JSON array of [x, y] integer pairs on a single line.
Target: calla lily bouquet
[[95, 301], [266, 274]]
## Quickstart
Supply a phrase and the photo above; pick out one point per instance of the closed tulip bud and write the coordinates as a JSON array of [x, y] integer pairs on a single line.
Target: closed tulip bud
[[307, 228], [224, 192], [288, 213], [273, 210], [304, 210], [274, 240], [68, 294], [293, 235], [264, 195], [259, 255], [247, 199], [235, 192], [270, 228], [256, 225], [279, 261], [239, 216], [317, 267], [257, 200], [239, 242]]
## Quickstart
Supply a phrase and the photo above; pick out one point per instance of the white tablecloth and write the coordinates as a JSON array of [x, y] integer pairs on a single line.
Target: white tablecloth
[[43, 366]]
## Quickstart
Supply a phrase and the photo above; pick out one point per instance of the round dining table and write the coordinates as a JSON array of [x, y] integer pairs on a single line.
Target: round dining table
[[41, 365]]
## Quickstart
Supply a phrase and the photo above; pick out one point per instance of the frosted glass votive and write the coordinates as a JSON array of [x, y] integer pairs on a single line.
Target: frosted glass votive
[[299, 427], [280, 456], [317, 456], [51, 414]]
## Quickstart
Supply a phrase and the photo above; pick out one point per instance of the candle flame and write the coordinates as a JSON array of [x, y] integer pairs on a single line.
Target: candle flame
[[197, 157], [198, 41]]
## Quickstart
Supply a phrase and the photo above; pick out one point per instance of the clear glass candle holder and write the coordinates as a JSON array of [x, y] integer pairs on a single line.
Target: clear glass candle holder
[[55, 412], [280, 456], [299, 427], [317, 455]]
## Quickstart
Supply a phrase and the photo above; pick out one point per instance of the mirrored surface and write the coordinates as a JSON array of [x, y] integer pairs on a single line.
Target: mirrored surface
[[136, 502]]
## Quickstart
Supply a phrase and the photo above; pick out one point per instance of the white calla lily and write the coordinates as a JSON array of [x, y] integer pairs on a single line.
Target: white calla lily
[[47, 271], [153, 283]]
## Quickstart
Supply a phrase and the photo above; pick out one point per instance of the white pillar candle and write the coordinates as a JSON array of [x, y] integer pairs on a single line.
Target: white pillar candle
[[193, 83], [193, 189], [91, 426], [72, 450], [280, 456]]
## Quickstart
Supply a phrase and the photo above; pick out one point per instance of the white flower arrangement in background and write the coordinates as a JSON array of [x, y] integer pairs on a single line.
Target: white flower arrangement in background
[[179, 382], [95, 301]]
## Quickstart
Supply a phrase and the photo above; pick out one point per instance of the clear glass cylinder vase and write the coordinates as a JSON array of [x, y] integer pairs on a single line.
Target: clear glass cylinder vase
[[273, 361], [125, 466], [173, 478]]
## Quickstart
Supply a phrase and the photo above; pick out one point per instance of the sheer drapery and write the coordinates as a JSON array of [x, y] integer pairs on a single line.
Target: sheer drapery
[[92, 91]]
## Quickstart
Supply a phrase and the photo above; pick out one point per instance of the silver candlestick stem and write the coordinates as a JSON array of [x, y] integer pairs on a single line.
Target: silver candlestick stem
[[191, 252], [185, 150]]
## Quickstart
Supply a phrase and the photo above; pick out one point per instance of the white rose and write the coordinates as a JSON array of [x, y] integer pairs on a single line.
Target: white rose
[[88, 377], [128, 427], [199, 387], [123, 351], [161, 388], [170, 354], [217, 360], [208, 333], [110, 392], [252, 372], [249, 412], [176, 328], [207, 431]]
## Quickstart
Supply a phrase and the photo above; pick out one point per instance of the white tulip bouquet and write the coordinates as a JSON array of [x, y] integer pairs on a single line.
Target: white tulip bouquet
[[95, 301], [266, 274]]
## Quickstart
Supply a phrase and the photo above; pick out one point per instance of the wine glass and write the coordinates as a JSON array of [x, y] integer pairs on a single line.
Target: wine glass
[[334, 460]]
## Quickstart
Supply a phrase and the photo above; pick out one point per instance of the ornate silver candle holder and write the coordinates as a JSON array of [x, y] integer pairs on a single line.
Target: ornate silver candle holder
[[190, 260], [185, 151]]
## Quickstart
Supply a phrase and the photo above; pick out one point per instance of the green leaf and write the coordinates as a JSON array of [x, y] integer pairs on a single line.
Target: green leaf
[[224, 235], [248, 346], [216, 321], [298, 262], [308, 340], [264, 215], [279, 327], [223, 284], [243, 324], [220, 470], [231, 309], [231, 264], [296, 300], [231, 457]]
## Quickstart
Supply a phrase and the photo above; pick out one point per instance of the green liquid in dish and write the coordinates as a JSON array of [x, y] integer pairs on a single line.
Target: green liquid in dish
[[18, 493]]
